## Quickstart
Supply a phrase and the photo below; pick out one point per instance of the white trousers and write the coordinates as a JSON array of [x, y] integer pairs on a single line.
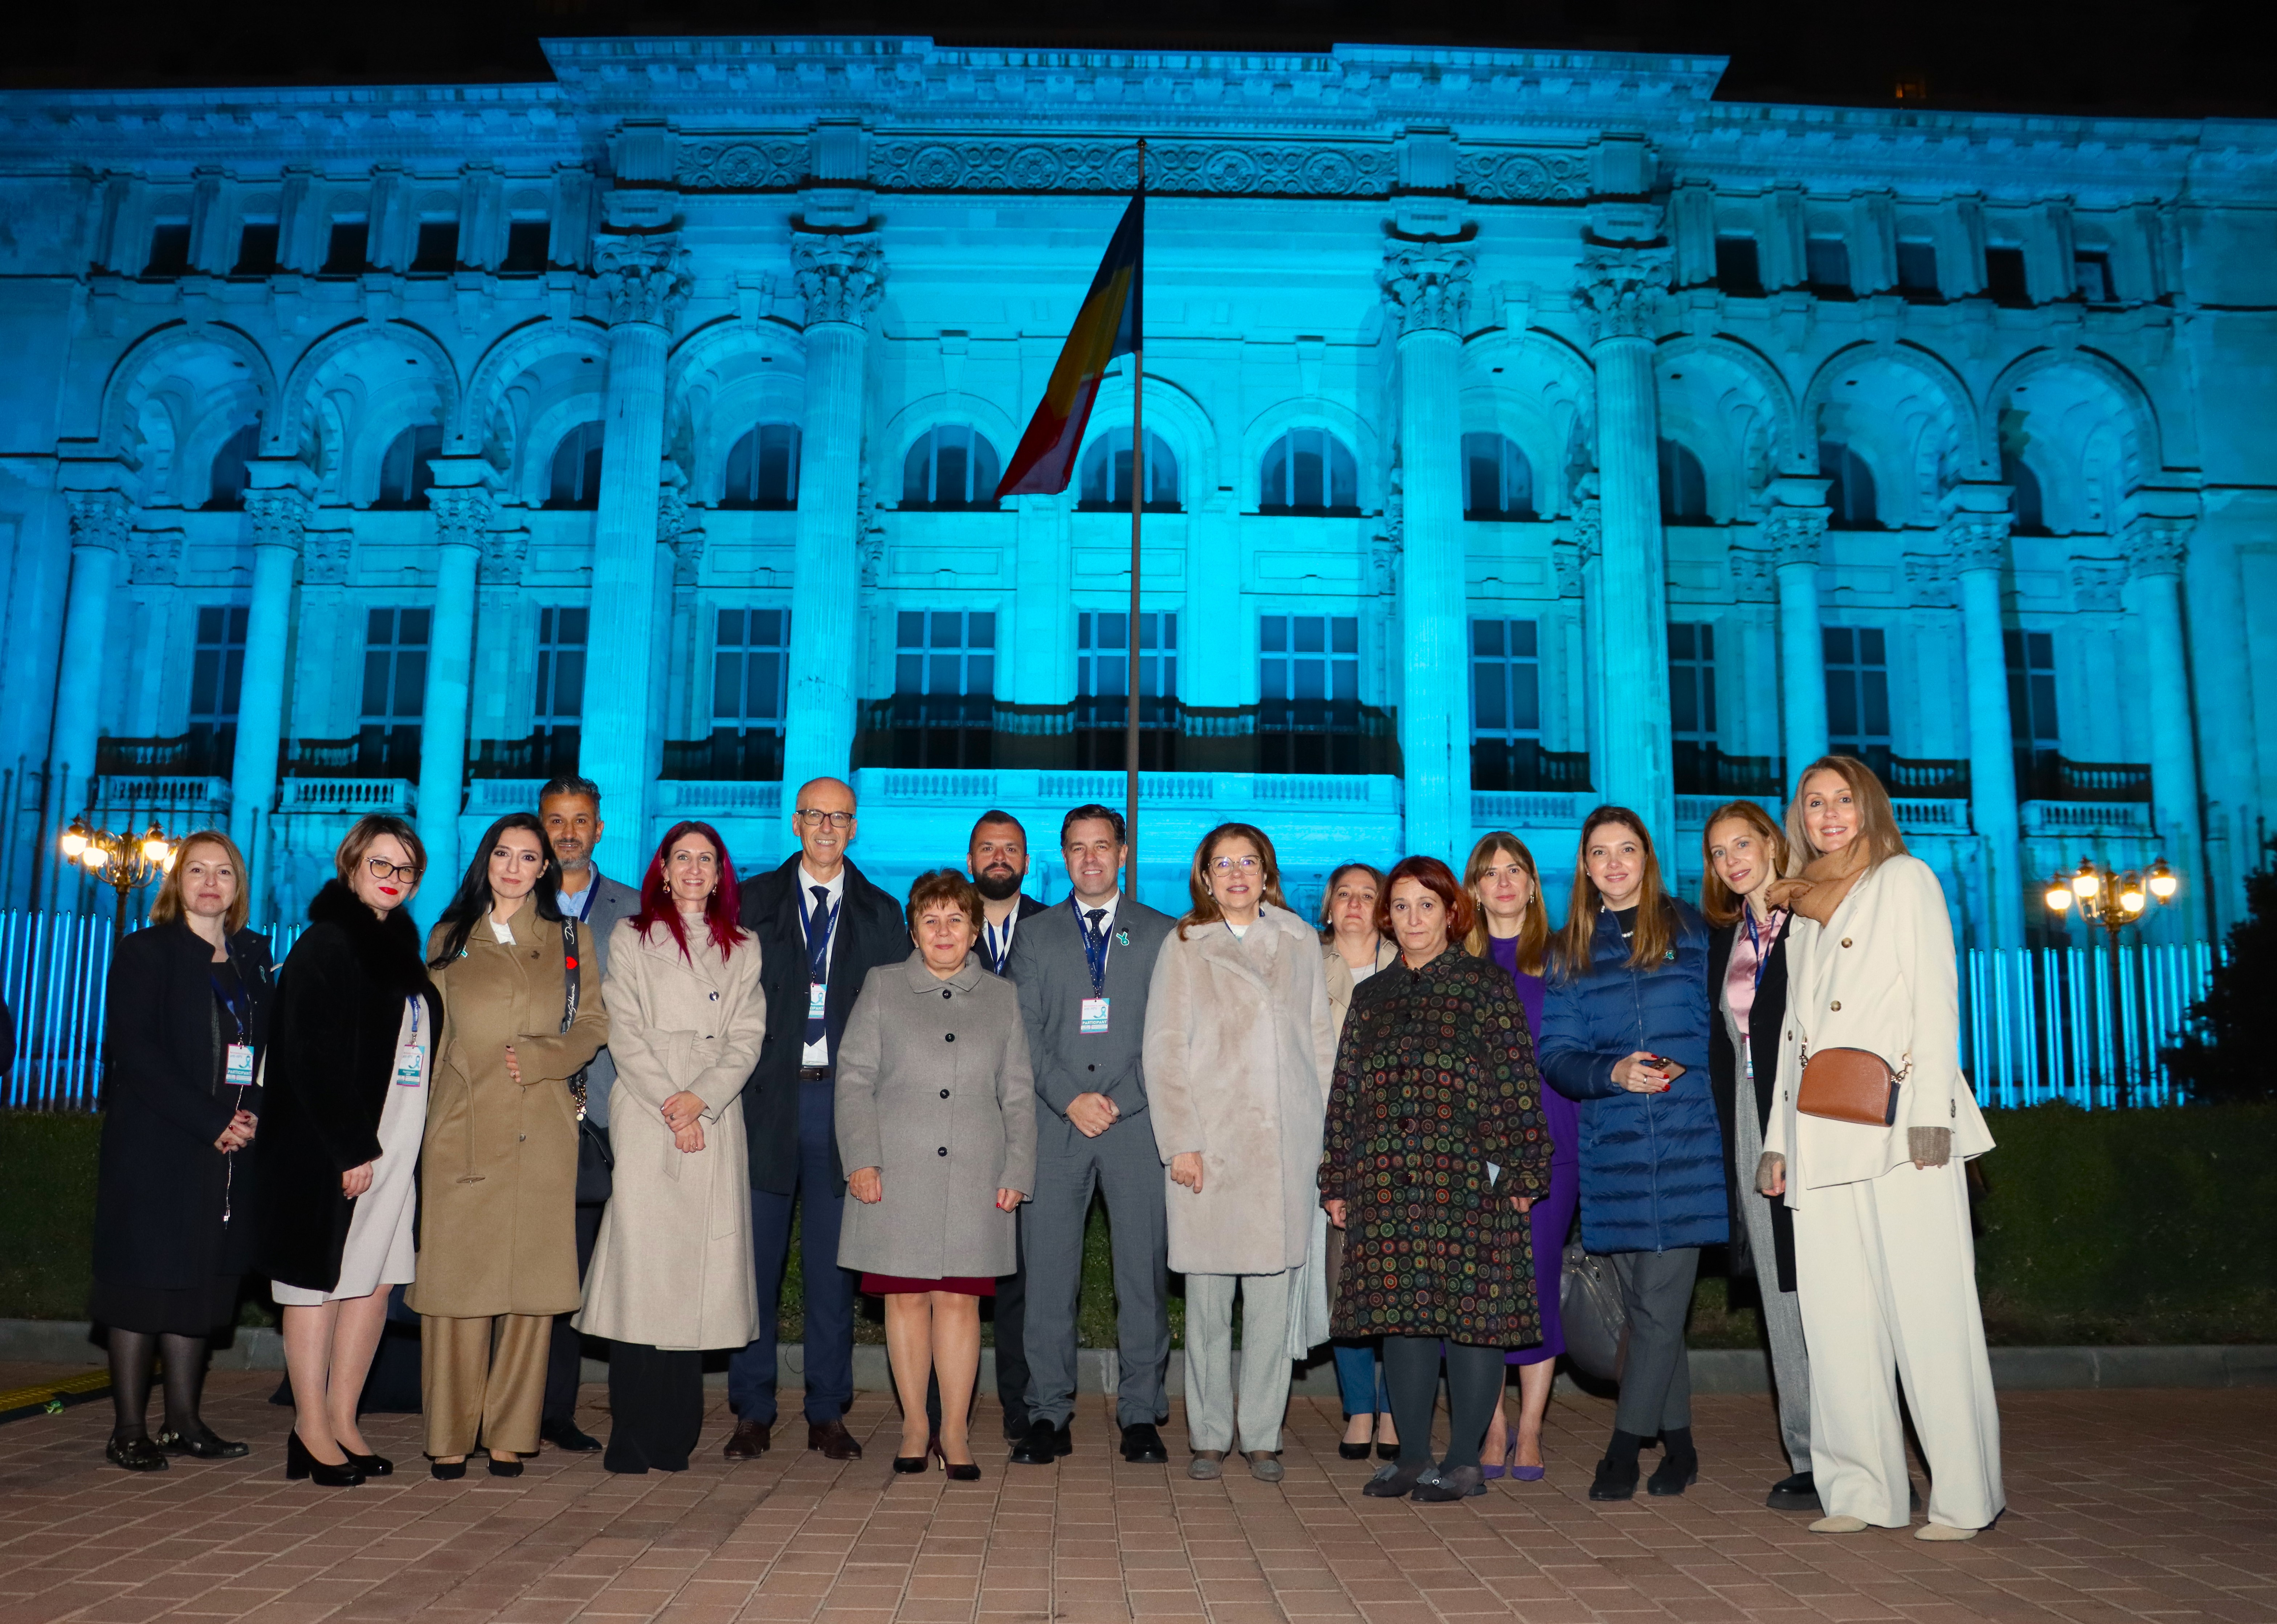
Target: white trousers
[[1886, 1271], [1264, 1360]]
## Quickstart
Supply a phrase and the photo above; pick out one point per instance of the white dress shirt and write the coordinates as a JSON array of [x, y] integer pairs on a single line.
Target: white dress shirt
[[819, 1053]]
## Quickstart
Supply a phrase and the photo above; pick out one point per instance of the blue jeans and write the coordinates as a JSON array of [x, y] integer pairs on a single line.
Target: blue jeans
[[1360, 1379], [830, 1290]]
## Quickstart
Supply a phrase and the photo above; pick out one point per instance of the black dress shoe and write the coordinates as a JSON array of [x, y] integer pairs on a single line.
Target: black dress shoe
[[832, 1438], [136, 1455], [750, 1440], [567, 1435], [1142, 1445], [1614, 1482], [299, 1463], [199, 1444], [370, 1466], [1799, 1492], [1042, 1444], [1674, 1474]]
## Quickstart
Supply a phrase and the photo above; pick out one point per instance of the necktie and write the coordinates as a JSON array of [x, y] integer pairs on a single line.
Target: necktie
[[1097, 929], [817, 957]]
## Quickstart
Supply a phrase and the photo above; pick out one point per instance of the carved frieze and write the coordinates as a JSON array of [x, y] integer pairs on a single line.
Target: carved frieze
[[1524, 177], [154, 558], [1754, 575], [325, 557], [505, 553], [1929, 579], [747, 163]]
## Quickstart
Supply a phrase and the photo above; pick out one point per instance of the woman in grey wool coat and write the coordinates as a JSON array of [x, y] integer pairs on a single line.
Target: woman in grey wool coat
[[937, 1130]]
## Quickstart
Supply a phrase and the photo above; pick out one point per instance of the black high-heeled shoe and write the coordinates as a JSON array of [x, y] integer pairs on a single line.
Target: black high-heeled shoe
[[370, 1466], [969, 1472], [299, 1463], [446, 1471], [1353, 1452], [1385, 1451], [505, 1468]]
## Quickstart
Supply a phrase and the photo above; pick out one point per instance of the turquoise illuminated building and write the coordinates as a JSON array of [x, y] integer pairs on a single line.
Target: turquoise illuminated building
[[1522, 430]]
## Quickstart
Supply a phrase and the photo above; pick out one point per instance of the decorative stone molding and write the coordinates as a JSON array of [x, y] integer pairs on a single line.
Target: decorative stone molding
[[1427, 287], [687, 558], [325, 556], [463, 515], [1620, 289], [1206, 169], [98, 518], [1754, 574], [2096, 582], [643, 279], [840, 275], [1565, 565], [1929, 579], [744, 163], [1796, 534], [1524, 177], [280, 515], [1977, 541], [154, 558], [2157, 546], [505, 554]]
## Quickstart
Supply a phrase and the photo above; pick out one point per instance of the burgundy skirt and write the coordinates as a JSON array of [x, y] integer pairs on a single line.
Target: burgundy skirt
[[887, 1285]]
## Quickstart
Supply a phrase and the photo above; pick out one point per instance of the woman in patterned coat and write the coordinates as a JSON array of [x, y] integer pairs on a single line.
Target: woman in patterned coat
[[1436, 1149]]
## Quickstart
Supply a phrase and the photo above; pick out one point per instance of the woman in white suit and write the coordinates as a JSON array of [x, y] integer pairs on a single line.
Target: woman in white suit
[[1885, 1265]]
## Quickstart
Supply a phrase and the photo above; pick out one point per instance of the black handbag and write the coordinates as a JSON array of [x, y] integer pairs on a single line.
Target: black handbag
[[595, 1163], [1596, 1324]]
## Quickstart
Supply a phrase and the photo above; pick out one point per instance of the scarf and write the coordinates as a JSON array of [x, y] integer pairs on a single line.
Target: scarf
[[1818, 890]]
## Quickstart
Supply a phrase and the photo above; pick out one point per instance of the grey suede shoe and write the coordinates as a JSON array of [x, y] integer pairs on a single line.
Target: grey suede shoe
[[1460, 1482], [1265, 1466], [1208, 1466], [1395, 1481]]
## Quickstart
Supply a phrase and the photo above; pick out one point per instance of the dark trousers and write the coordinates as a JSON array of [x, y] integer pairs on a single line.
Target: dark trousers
[[656, 1407], [830, 1290], [1011, 1348], [563, 1358]]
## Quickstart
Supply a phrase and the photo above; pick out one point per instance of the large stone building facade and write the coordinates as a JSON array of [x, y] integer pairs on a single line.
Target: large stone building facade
[[1521, 430]]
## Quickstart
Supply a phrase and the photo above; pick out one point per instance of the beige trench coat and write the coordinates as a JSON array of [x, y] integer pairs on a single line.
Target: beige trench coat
[[497, 1170], [672, 1267], [1341, 984], [1240, 1050]]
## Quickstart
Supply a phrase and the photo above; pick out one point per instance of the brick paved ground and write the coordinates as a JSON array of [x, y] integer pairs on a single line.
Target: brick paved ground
[[2123, 1504]]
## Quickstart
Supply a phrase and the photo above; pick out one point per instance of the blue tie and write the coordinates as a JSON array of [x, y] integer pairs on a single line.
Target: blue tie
[[818, 955]]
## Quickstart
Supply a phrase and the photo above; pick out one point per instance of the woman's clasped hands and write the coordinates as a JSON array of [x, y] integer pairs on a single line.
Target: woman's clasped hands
[[683, 1114]]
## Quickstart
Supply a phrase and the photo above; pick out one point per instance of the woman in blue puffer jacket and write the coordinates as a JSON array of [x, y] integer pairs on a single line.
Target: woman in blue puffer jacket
[[1624, 1033]]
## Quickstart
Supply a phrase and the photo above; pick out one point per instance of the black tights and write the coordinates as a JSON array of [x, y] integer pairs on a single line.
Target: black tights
[[1411, 1376], [132, 1354]]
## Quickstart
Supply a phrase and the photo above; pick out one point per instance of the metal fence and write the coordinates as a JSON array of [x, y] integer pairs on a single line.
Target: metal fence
[[2036, 1023]]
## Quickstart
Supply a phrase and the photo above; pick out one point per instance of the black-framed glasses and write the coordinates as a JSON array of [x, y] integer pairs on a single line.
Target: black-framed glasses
[[382, 869], [814, 817]]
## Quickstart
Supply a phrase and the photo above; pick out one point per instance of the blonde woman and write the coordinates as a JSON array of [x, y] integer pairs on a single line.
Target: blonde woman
[[1883, 1259]]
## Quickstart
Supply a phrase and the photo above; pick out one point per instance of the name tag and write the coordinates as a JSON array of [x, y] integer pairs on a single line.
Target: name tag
[[817, 993], [410, 1066], [238, 1071], [1095, 1014]]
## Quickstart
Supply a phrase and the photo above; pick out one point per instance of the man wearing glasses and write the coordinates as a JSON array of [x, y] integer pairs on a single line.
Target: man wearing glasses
[[821, 929]]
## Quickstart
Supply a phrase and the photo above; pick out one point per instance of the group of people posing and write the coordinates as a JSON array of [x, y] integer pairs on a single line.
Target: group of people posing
[[581, 1108]]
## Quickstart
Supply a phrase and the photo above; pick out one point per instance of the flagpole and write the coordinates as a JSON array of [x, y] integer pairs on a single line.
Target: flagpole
[[1131, 685]]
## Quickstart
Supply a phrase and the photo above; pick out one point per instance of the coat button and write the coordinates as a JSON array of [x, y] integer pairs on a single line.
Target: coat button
[[1836, 1004], [944, 992], [715, 997], [1091, 1068], [944, 1094], [707, 1037], [1845, 941], [943, 1151], [949, 1038]]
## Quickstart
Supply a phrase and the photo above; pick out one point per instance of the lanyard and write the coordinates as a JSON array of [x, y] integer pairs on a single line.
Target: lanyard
[[222, 996], [1094, 953], [999, 948], [818, 954], [1763, 948], [414, 1001]]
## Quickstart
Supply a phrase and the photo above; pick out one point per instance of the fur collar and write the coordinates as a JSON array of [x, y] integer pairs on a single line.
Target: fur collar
[[386, 950]]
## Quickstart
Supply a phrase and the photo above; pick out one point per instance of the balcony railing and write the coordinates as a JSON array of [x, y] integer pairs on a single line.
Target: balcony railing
[[373, 753], [544, 755], [970, 732], [1705, 770], [726, 756], [2048, 777], [1928, 779], [202, 752], [1522, 765]]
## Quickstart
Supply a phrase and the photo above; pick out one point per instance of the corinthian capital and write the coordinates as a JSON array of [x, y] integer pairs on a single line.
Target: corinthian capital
[[280, 517], [98, 518], [2157, 546], [1619, 292], [1427, 287], [1977, 541], [462, 514], [840, 275], [644, 278], [1795, 534]]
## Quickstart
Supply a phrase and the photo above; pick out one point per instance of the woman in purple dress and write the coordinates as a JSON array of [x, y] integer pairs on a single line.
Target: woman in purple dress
[[1512, 930]]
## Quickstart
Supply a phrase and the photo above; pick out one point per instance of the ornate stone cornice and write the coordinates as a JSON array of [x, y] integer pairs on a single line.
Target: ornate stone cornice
[[280, 517], [1620, 289], [840, 275], [1977, 541], [2157, 546], [1427, 287], [154, 558], [642, 278], [1795, 535], [98, 518], [463, 515]]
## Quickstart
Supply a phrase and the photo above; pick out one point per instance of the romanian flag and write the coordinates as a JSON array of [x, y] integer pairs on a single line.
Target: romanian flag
[[1106, 327]]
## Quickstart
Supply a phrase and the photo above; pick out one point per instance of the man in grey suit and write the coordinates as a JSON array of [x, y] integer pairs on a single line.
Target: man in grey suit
[[570, 808], [1083, 970]]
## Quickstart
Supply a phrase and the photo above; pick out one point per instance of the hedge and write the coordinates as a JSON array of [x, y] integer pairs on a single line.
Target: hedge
[[2151, 1226]]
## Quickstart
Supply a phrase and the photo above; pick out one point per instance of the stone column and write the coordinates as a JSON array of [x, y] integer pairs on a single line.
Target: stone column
[[645, 281], [1976, 531], [1618, 298], [98, 535], [464, 513], [840, 277], [2155, 549], [278, 505], [1427, 290], [1796, 529]]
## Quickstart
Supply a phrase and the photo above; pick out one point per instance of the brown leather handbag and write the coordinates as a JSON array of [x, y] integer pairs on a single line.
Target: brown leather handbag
[[1850, 1085]]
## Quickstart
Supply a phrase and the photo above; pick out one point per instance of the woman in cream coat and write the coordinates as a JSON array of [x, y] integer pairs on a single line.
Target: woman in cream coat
[[1884, 1266], [1239, 1051], [672, 1268]]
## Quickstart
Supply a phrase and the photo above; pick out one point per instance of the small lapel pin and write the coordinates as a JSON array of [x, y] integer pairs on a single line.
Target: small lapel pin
[[1122, 938]]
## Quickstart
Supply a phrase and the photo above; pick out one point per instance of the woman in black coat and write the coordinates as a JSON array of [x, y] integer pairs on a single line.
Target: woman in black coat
[[188, 1017], [353, 1035]]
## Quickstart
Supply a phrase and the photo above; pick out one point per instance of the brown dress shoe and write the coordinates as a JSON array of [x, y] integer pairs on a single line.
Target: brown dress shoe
[[832, 1437], [749, 1441]]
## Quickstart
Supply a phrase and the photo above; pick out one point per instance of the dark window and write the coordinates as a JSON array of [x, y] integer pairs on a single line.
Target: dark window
[[347, 250], [1739, 267], [763, 468], [1683, 485], [1506, 681], [750, 660], [256, 250], [170, 249], [577, 469], [944, 688], [438, 247], [1308, 685], [394, 692], [527, 242], [2032, 706], [2024, 494], [1858, 694], [1692, 683], [407, 470], [1826, 265], [2004, 276], [225, 485], [1849, 487], [1918, 268], [1498, 480], [950, 467], [217, 670], [561, 699], [2091, 274], [1105, 477], [1309, 471], [1102, 686]]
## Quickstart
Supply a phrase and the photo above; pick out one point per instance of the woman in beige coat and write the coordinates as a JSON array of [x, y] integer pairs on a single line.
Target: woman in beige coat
[[1239, 1051], [672, 1267], [497, 1168]]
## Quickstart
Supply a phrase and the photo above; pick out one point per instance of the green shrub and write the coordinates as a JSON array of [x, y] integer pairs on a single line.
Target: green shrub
[[47, 1213]]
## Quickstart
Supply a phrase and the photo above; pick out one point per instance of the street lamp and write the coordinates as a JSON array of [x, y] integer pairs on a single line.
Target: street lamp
[[2114, 901], [125, 863]]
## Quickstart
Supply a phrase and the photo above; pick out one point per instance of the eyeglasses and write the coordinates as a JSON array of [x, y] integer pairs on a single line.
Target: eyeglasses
[[1230, 866], [382, 869], [815, 818]]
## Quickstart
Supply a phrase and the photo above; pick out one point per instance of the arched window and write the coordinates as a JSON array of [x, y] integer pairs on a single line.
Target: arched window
[[1498, 480], [2024, 494], [1683, 485], [407, 470], [1849, 488], [950, 467], [225, 487], [577, 469], [1105, 481], [763, 468], [1308, 471]]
